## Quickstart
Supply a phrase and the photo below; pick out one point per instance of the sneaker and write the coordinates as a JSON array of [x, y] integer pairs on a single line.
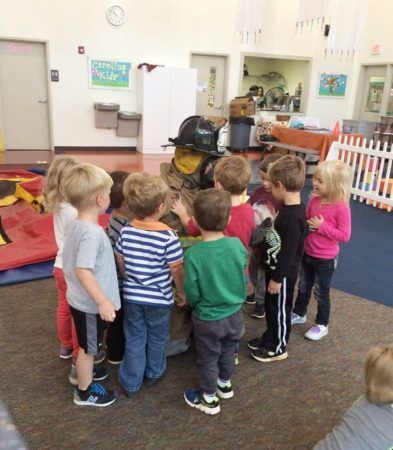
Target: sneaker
[[196, 399], [99, 357], [259, 312], [250, 299], [99, 374], [115, 362], [254, 344], [65, 353], [265, 355], [95, 395], [317, 332], [225, 391], [297, 320], [237, 359]]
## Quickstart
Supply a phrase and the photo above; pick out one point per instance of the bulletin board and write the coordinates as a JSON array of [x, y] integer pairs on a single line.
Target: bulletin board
[[109, 74]]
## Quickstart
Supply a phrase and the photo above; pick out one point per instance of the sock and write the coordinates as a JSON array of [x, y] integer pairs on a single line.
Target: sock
[[223, 383], [209, 397], [84, 390]]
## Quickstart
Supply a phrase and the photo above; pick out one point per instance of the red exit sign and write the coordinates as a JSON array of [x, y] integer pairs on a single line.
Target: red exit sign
[[20, 48]]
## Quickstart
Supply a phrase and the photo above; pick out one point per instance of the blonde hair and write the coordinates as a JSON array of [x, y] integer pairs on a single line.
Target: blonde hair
[[84, 183], [290, 171], [144, 193], [233, 173], [52, 191], [338, 179], [378, 370]]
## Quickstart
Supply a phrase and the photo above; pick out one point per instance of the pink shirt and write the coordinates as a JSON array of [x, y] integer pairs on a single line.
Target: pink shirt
[[336, 228], [241, 224]]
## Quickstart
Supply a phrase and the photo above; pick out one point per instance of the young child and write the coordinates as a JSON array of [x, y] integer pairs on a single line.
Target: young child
[[329, 220], [264, 206], [63, 215], [149, 256], [119, 218], [232, 174], [368, 423], [90, 272], [215, 287], [281, 253]]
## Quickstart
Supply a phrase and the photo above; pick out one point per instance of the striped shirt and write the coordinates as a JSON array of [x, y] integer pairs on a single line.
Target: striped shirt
[[149, 250], [115, 225]]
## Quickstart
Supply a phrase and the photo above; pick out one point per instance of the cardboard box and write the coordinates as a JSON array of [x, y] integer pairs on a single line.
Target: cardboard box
[[242, 106]]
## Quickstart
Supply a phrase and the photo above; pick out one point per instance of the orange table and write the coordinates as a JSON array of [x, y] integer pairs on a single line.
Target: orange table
[[320, 142]]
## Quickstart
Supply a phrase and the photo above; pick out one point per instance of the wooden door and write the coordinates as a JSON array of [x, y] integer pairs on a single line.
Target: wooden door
[[210, 84], [24, 114]]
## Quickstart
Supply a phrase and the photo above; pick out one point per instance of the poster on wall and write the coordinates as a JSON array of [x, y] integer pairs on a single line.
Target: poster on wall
[[332, 85], [212, 87], [109, 74]]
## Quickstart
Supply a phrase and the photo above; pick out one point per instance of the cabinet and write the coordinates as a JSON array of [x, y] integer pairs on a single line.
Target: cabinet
[[165, 97]]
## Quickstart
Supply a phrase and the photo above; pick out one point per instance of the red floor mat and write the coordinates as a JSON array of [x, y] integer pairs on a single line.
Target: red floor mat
[[31, 234]]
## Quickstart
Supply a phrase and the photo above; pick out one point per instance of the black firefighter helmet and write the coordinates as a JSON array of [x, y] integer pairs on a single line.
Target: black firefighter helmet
[[201, 134]]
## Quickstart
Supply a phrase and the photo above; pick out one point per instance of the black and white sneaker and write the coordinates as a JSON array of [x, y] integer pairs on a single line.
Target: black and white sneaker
[[265, 355], [99, 374], [95, 395], [254, 344], [250, 299], [259, 312]]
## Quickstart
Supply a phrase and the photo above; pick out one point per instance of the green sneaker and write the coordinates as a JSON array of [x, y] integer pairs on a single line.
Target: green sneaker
[[196, 399]]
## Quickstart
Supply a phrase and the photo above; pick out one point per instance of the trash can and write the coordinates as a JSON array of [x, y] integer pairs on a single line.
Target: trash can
[[239, 131], [106, 115], [128, 124]]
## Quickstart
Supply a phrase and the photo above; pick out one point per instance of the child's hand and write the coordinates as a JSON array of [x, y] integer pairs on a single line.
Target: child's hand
[[274, 287], [178, 208], [107, 311], [181, 299], [315, 222]]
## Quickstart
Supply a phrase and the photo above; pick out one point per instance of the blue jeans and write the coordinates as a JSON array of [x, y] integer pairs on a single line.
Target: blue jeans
[[146, 329], [315, 272]]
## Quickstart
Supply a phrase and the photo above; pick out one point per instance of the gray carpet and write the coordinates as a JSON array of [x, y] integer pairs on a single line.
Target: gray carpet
[[283, 405]]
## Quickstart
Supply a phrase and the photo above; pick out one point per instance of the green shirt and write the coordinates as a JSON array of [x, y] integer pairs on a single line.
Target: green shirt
[[214, 278]]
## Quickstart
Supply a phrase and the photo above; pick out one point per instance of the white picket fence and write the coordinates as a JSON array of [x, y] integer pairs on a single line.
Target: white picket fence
[[372, 166]]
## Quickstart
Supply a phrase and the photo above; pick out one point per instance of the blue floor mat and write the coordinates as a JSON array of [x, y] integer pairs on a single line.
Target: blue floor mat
[[27, 273], [365, 262]]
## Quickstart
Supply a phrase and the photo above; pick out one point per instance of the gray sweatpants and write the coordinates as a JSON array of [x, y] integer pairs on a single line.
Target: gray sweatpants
[[215, 343], [257, 278]]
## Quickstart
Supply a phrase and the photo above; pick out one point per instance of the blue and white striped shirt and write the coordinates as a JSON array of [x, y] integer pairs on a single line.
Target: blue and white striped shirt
[[149, 250]]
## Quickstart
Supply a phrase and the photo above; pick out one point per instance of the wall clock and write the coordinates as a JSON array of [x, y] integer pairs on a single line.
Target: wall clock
[[115, 14]]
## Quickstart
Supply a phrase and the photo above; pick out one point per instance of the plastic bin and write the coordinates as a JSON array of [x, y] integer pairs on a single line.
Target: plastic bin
[[364, 127], [239, 131], [106, 115], [128, 124]]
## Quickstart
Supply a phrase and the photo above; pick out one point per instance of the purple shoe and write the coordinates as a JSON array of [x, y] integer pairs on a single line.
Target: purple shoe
[[65, 353]]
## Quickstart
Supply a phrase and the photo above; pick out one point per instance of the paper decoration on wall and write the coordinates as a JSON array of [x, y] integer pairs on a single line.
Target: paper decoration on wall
[[249, 21], [109, 74], [332, 85], [347, 23], [312, 12], [345, 17], [211, 88]]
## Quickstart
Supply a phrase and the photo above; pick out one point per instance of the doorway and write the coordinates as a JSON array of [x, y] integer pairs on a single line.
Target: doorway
[[24, 108], [374, 93], [211, 84]]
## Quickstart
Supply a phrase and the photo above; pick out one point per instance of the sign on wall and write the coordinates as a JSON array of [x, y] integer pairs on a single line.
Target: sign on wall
[[109, 74]]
